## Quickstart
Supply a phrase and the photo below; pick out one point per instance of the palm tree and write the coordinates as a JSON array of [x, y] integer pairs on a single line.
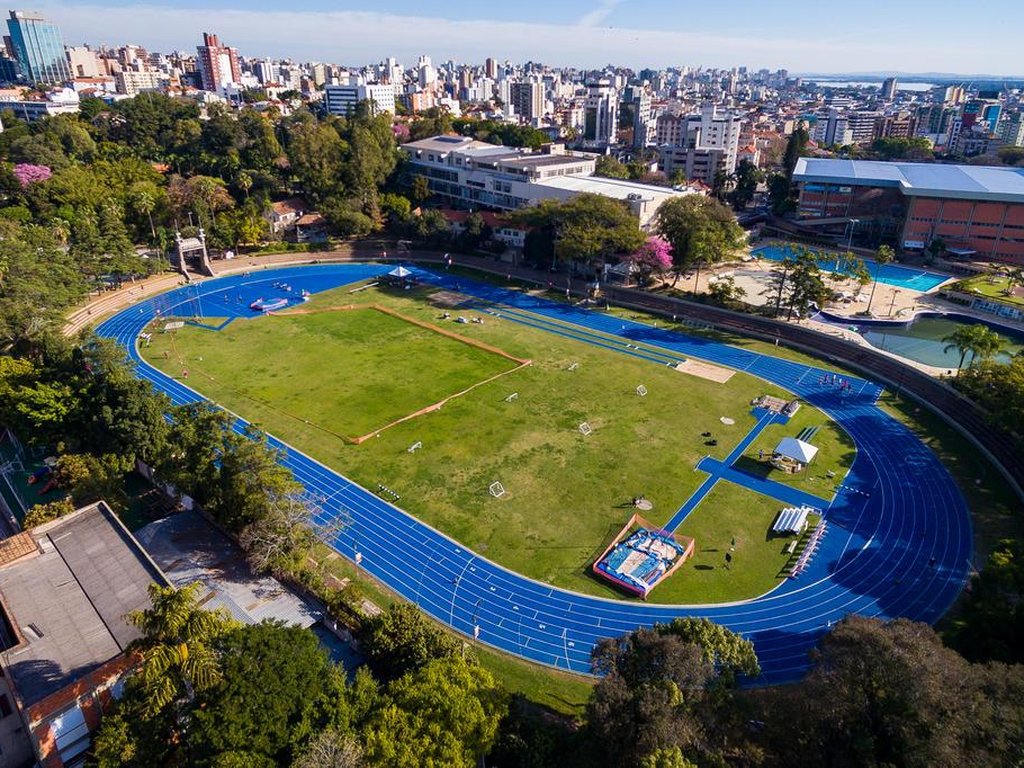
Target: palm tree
[[980, 340], [987, 344], [177, 645], [1014, 279], [883, 255], [143, 200]]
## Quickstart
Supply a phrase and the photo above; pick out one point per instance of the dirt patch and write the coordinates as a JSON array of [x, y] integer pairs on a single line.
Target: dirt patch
[[705, 371], [449, 299]]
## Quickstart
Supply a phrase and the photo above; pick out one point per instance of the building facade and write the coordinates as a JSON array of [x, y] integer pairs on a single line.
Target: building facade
[[601, 114], [527, 100], [473, 174], [342, 100], [217, 64], [975, 211], [39, 48]]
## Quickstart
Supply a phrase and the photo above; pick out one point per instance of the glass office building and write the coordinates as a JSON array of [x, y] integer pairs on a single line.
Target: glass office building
[[39, 47]]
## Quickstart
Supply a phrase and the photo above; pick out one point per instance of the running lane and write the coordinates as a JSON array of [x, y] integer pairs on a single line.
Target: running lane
[[899, 533]]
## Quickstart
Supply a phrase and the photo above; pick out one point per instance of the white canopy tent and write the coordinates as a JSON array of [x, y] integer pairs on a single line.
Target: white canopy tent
[[399, 272], [793, 455]]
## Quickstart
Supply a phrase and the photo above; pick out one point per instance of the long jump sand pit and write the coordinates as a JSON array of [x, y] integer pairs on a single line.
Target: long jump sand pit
[[705, 371]]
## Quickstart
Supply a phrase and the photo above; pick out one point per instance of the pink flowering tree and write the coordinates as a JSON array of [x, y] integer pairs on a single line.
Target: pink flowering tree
[[651, 258], [26, 173]]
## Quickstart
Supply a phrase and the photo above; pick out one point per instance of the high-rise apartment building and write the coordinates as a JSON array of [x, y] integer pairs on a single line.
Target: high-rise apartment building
[[491, 68], [218, 64], [888, 89], [601, 114], [1011, 129], [38, 47], [527, 100], [635, 111]]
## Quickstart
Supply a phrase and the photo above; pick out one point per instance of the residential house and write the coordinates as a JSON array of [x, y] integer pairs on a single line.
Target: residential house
[[65, 589]]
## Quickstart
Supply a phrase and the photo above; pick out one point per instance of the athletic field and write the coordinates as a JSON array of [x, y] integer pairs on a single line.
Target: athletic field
[[356, 379]]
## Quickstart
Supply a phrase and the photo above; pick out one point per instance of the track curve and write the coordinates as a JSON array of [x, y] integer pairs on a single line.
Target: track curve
[[899, 537]]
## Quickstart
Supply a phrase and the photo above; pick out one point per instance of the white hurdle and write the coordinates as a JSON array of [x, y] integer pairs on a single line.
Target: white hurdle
[[641, 390], [585, 428], [514, 396], [496, 489], [414, 447]]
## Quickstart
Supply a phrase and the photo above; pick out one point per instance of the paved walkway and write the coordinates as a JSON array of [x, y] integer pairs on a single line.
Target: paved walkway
[[715, 469]]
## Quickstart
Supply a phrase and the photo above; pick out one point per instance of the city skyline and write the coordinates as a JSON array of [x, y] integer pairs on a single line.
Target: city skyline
[[634, 33]]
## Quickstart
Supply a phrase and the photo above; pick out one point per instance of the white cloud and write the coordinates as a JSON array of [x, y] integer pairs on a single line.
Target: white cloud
[[599, 14], [358, 37]]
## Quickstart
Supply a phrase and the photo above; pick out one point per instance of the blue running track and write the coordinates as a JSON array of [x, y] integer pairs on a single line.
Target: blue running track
[[898, 539]]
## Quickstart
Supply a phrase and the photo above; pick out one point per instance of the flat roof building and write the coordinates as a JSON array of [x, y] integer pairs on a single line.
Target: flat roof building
[[475, 174], [65, 589], [977, 210]]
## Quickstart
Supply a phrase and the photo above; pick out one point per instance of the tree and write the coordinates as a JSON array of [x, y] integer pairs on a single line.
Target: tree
[[280, 541], [807, 289], [40, 281], [795, 147], [730, 653], [584, 229], [652, 258], [143, 198], [475, 232], [372, 154], [1014, 279], [177, 646], [898, 148], [610, 167], [889, 693], [780, 194], [979, 340], [884, 255], [650, 684], [403, 639], [44, 513], [276, 691], [446, 713], [671, 757], [331, 749], [990, 627], [700, 230], [745, 180], [724, 291], [116, 412], [203, 195], [251, 485], [420, 191], [316, 154], [346, 217]]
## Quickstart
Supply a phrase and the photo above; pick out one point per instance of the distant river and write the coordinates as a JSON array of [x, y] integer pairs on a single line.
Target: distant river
[[900, 85]]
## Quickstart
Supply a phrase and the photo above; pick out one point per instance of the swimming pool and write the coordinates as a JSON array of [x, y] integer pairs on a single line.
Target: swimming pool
[[891, 274], [922, 339]]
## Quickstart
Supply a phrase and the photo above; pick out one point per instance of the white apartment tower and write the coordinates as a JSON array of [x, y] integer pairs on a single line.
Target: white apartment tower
[[601, 114]]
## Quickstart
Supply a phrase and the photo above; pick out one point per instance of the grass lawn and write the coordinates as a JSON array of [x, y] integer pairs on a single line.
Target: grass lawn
[[567, 494], [729, 512], [836, 452], [992, 287], [399, 368]]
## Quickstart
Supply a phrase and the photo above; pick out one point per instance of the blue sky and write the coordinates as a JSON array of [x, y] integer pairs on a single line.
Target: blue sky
[[868, 35]]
